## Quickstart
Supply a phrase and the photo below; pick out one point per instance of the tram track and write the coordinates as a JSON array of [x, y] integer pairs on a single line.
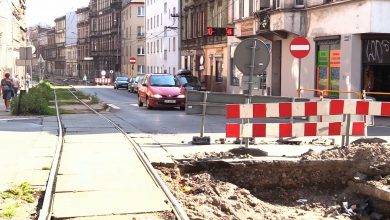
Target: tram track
[[46, 210]]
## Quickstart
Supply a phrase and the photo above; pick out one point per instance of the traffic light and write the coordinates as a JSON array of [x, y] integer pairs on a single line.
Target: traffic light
[[212, 31]]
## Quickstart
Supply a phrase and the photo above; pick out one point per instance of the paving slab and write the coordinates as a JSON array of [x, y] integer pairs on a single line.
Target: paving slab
[[95, 203], [100, 174]]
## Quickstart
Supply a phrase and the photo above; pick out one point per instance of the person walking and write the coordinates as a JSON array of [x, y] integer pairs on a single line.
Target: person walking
[[16, 85], [6, 90]]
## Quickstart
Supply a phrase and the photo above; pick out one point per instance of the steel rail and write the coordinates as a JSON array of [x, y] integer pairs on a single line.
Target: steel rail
[[177, 208], [46, 209]]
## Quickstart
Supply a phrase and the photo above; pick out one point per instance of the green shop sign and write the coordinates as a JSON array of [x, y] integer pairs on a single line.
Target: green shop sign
[[323, 58]]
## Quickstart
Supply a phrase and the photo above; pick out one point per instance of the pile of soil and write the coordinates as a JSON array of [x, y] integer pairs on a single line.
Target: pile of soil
[[212, 195], [205, 197]]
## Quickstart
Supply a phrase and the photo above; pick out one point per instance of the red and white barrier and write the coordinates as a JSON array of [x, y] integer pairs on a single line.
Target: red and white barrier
[[103, 80], [297, 109], [293, 130]]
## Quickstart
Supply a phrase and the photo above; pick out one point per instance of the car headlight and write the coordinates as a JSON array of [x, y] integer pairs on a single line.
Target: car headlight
[[157, 96], [181, 96]]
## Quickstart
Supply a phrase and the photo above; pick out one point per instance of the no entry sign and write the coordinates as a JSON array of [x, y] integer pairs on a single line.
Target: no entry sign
[[132, 60], [300, 47]]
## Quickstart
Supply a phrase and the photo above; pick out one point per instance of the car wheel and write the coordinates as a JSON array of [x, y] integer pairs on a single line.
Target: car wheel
[[182, 108], [148, 106], [140, 104]]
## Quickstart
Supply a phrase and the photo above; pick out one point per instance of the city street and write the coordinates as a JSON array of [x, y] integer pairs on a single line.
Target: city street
[[173, 121]]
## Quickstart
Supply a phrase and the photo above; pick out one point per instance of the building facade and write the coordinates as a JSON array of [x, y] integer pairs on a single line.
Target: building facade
[[60, 36], [162, 49], [133, 37], [84, 59], [51, 52], [105, 36], [13, 35], [205, 54]]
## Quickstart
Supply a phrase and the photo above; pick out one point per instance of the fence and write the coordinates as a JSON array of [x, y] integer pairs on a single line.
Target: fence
[[216, 101], [306, 109], [103, 80]]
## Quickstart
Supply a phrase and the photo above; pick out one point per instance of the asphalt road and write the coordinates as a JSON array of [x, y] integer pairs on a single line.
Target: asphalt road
[[173, 121], [156, 121]]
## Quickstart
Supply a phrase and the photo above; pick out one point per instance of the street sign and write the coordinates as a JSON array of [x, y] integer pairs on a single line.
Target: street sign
[[243, 56], [88, 58], [103, 72], [132, 60], [111, 71], [300, 47]]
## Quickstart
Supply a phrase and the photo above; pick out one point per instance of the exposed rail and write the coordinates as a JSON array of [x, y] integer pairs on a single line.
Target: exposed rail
[[46, 209], [178, 210]]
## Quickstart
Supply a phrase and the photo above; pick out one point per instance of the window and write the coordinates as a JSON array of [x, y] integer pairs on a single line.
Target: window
[[141, 11], [158, 46], [140, 51], [158, 20], [276, 4], [165, 54], [174, 44], [141, 68], [328, 66], [299, 4], [165, 7], [218, 71], [140, 31]]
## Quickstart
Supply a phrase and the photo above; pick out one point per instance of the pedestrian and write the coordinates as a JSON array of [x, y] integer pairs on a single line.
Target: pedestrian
[[370, 79], [6, 90], [16, 85]]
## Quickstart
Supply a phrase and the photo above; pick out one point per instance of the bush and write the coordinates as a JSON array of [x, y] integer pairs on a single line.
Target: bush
[[36, 101]]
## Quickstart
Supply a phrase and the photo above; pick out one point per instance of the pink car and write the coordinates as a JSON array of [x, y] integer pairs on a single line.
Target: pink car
[[161, 90]]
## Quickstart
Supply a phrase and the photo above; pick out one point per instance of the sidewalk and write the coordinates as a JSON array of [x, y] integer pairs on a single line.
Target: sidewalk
[[26, 149]]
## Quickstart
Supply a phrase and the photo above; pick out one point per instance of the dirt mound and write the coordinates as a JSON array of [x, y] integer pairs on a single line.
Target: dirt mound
[[205, 197], [374, 154]]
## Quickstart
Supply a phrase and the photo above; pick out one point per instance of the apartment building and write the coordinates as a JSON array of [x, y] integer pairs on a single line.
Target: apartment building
[[13, 35], [162, 23], [84, 59], [51, 52], [205, 54], [105, 20], [349, 43], [133, 37], [59, 66]]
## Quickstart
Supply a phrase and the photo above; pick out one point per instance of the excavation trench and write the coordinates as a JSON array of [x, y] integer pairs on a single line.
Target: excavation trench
[[314, 186]]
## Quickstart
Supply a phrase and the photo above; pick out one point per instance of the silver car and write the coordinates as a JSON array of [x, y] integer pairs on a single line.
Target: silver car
[[133, 86]]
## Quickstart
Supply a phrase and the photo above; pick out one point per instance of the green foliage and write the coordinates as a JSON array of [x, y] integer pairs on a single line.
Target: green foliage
[[94, 99], [35, 101], [9, 211]]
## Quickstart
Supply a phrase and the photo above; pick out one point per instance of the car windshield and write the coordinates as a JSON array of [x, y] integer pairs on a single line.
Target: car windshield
[[122, 79], [190, 80], [163, 80]]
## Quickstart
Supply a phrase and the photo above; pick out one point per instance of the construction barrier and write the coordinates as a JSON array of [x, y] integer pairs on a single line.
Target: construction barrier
[[103, 80], [297, 109]]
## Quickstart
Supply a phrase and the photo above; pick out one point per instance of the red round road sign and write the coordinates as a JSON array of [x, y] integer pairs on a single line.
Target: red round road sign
[[300, 47], [132, 60]]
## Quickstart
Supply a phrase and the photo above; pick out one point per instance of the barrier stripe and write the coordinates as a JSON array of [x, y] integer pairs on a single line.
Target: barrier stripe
[[285, 109], [310, 129], [236, 130], [233, 111], [385, 110], [299, 109]]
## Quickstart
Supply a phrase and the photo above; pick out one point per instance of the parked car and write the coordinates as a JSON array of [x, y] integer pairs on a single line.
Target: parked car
[[121, 82], [161, 90], [188, 81], [133, 87], [129, 87]]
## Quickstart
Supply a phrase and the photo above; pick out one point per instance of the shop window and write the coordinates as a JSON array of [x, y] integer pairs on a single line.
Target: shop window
[[328, 67]]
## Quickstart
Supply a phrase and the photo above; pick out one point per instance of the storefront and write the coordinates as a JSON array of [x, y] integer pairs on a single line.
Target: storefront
[[376, 65], [328, 66]]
